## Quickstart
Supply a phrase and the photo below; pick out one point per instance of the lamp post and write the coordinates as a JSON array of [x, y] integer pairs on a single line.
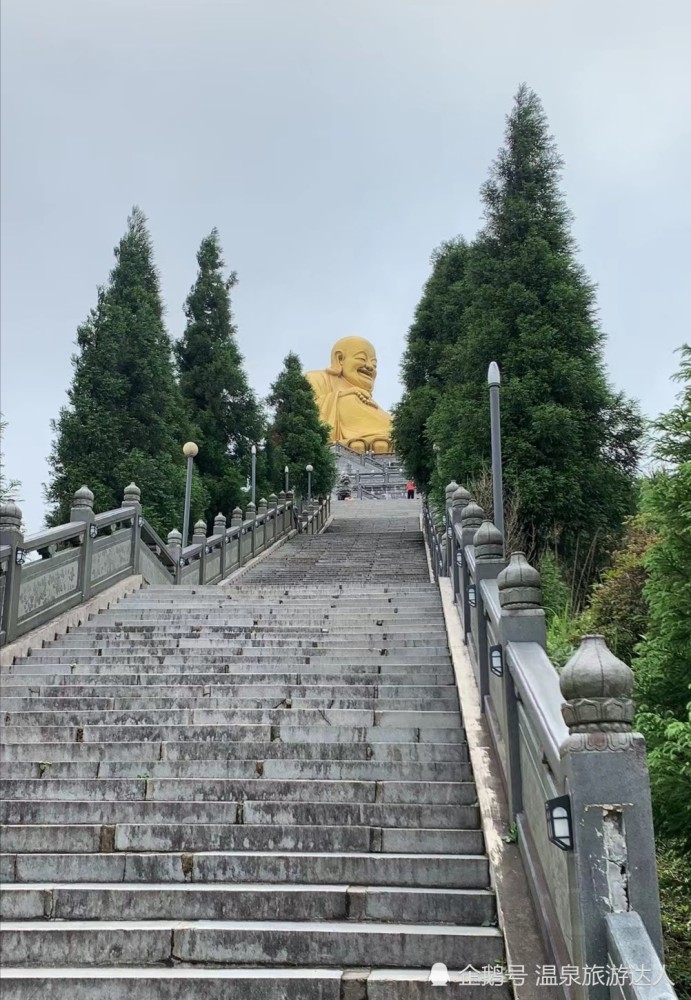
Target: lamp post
[[309, 470], [287, 478], [254, 474], [189, 450], [494, 381]]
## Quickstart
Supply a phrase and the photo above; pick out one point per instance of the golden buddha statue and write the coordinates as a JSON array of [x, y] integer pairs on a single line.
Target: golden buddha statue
[[344, 397]]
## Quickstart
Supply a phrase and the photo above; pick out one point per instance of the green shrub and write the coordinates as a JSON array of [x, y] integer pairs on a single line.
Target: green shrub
[[674, 874]]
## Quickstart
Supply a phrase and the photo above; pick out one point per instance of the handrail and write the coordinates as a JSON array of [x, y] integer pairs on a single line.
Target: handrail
[[564, 747], [164, 552], [53, 536], [537, 683], [114, 516], [70, 575]]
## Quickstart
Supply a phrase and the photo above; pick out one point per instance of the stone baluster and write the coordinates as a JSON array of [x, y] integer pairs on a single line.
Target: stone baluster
[[282, 505], [459, 501], [471, 518], [251, 515], [83, 510], [522, 620], [175, 543], [12, 535], [236, 522], [612, 865], [489, 563], [132, 497], [199, 538], [220, 529], [273, 507]]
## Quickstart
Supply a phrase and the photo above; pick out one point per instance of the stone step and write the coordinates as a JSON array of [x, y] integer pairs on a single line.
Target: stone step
[[328, 770], [272, 630], [86, 943], [247, 901], [62, 710], [181, 983], [237, 790], [63, 695], [248, 812], [202, 750], [237, 673], [204, 785], [234, 717], [454, 871], [258, 654], [198, 645], [94, 838], [231, 734]]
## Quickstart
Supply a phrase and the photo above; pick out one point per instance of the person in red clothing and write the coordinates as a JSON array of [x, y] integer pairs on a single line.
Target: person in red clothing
[[410, 487]]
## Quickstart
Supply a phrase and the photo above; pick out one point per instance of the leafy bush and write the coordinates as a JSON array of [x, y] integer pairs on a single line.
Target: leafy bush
[[668, 742], [674, 874], [618, 606]]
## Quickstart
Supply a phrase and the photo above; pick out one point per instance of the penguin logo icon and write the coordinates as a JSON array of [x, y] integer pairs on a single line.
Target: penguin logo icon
[[439, 974]]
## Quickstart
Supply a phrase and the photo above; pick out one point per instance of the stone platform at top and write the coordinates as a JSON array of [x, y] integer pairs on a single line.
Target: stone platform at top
[[344, 397]]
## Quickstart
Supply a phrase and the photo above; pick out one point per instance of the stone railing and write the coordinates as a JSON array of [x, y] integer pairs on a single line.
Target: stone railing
[[573, 770], [46, 574]]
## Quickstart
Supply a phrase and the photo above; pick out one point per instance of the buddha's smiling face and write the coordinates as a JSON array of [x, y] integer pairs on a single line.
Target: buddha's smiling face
[[358, 361]]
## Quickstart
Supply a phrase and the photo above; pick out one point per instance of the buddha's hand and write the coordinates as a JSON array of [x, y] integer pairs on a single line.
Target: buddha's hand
[[361, 394]]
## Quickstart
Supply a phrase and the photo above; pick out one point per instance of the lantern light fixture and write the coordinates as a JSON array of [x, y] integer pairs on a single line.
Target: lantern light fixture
[[496, 660], [559, 822], [472, 595]]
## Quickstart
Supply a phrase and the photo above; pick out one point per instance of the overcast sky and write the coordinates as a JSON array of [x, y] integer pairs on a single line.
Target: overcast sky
[[334, 143]]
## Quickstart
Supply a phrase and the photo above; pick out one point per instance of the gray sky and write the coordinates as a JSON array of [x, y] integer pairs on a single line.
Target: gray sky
[[334, 143]]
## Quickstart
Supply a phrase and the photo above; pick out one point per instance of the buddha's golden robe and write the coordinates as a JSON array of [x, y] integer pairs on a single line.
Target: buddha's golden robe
[[360, 425]]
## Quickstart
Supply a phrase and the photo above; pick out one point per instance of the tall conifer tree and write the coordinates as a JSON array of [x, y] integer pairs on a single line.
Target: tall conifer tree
[[213, 382], [297, 435], [125, 419], [570, 443], [434, 329]]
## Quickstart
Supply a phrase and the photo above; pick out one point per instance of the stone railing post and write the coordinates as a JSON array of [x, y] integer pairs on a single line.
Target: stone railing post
[[471, 518], [83, 510], [236, 522], [11, 534], [199, 538], [174, 542], [220, 529], [132, 497], [522, 620], [448, 532], [262, 510], [251, 515], [489, 563], [460, 500], [273, 507], [612, 865], [282, 504]]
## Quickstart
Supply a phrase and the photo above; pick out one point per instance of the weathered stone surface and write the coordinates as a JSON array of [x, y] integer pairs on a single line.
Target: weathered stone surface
[[274, 773]]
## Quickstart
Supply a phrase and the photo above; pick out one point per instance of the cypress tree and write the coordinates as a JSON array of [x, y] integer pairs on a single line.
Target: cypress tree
[[213, 382], [435, 327], [125, 419], [570, 443], [298, 437]]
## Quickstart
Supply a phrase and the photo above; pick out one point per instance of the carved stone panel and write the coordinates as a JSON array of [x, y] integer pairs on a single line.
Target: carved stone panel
[[110, 556], [45, 583]]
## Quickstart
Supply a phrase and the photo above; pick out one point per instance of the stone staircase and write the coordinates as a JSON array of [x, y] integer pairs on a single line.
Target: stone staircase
[[252, 792]]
